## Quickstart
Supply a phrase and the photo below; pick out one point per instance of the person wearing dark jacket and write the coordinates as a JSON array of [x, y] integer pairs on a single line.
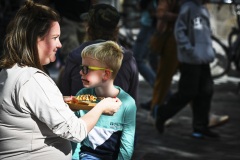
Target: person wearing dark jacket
[[163, 42], [102, 25], [195, 53], [73, 26]]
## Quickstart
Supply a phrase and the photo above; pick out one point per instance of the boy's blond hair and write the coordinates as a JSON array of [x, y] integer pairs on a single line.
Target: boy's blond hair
[[108, 53]]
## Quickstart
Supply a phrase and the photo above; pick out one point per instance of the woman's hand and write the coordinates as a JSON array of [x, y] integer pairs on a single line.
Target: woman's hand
[[107, 106], [110, 105]]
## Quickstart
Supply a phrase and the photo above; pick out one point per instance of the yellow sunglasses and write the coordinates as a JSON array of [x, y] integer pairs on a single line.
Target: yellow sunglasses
[[85, 69]]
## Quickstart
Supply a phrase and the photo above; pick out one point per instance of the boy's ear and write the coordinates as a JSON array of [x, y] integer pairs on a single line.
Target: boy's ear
[[107, 74]]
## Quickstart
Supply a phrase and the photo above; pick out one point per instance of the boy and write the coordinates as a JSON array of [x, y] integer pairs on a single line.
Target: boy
[[113, 136]]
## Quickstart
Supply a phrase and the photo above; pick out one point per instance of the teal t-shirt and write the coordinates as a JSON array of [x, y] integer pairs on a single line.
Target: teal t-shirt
[[113, 136]]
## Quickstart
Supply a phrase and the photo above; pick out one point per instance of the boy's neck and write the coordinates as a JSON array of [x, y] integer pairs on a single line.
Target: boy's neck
[[107, 91]]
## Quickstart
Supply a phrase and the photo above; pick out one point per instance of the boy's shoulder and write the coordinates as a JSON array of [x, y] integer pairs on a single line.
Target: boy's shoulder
[[124, 96]]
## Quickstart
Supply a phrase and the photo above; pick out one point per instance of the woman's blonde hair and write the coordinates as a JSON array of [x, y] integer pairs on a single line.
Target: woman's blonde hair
[[109, 53], [32, 21]]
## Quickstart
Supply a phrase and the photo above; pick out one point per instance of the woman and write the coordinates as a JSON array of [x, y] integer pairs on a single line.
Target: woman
[[35, 121]]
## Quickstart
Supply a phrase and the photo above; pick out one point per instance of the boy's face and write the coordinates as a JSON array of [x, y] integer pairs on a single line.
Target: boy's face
[[92, 72]]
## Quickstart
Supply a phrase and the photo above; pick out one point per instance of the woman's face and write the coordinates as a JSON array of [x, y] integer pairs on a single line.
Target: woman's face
[[49, 44]]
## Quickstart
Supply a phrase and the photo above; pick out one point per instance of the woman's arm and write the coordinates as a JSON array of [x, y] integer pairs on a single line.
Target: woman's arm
[[46, 103]]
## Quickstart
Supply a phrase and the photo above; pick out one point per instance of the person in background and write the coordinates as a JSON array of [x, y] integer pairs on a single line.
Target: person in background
[[195, 52], [102, 25], [8, 9], [35, 121], [163, 42], [113, 136], [73, 25], [141, 46]]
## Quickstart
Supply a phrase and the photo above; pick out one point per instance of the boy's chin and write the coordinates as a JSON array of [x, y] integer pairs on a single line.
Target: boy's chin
[[86, 85]]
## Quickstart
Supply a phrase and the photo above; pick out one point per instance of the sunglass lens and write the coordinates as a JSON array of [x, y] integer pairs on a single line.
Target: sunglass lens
[[84, 69]]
